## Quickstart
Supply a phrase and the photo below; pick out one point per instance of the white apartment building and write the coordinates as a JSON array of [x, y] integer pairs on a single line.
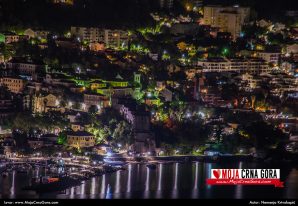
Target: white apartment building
[[111, 38], [270, 57], [249, 82], [251, 65], [228, 19]]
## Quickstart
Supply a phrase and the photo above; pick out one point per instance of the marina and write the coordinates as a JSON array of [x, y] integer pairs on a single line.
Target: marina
[[137, 180]]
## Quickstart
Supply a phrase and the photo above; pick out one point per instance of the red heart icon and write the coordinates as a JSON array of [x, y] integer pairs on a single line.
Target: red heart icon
[[216, 173]]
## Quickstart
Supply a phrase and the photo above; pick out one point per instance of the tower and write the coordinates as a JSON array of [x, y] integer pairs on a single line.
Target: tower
[[137, 78]]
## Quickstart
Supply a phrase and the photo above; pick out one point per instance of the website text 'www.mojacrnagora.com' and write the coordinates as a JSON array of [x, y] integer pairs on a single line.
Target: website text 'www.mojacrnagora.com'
[[33, 202]]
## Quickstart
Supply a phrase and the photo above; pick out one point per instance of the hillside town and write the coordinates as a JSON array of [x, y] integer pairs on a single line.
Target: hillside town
[[209, 80]]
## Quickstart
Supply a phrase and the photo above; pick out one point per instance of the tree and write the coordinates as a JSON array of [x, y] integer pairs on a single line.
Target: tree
[[93, 109], [263, 135], [123, 133], [62, 138], [23, 121]]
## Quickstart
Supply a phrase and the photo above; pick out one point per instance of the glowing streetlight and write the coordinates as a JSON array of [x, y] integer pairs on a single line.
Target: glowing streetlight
[[84, 106], [57, 102]]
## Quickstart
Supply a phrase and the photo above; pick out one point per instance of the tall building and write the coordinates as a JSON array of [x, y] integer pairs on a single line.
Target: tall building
[[67, 2], [111, 38], [139, 118], [227, 19], [166, 4]]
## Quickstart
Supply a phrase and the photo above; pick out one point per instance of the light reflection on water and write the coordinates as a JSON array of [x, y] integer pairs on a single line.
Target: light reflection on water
[[177, 180], [238, 192], [103, 184]]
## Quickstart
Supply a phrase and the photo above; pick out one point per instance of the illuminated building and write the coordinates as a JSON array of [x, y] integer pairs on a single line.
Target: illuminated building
[[9, 37], [95, 100], [66, 2], [110, 38], [248, 65], [270, 57], [80, 139], [228, 19], [14, 85]]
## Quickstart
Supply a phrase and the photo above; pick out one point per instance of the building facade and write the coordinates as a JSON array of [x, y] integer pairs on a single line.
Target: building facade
[[248, 65], [228, 19], [270, 57], [9, 37], [14, 85], [96, 100], [110, 38], [80, 139]]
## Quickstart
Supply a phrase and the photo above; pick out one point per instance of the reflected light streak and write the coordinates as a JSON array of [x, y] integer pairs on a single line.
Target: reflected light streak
[[160, 177], [12, 189], [72, 193], [117, 182], [176, 177], [93, 186], [196, 176], [239, 188], [129, 179], [103, 184], [83, 188], [147, 179]]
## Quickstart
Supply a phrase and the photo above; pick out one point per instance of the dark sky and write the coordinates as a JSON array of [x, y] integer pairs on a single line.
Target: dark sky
[[273, 9], [110, 13], [267, 6]]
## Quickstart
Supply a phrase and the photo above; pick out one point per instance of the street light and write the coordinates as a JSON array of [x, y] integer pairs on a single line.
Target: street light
[[57, 102], [83, 106]]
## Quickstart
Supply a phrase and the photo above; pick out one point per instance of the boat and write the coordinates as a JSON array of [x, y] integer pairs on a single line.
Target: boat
[[120, 167], [54, 185], [151, 166], [111, 162]]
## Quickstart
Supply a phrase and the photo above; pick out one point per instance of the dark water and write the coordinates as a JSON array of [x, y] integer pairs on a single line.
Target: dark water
[[175, 180]]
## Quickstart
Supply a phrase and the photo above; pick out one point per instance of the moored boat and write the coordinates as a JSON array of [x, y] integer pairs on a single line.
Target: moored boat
[[151, 166]]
